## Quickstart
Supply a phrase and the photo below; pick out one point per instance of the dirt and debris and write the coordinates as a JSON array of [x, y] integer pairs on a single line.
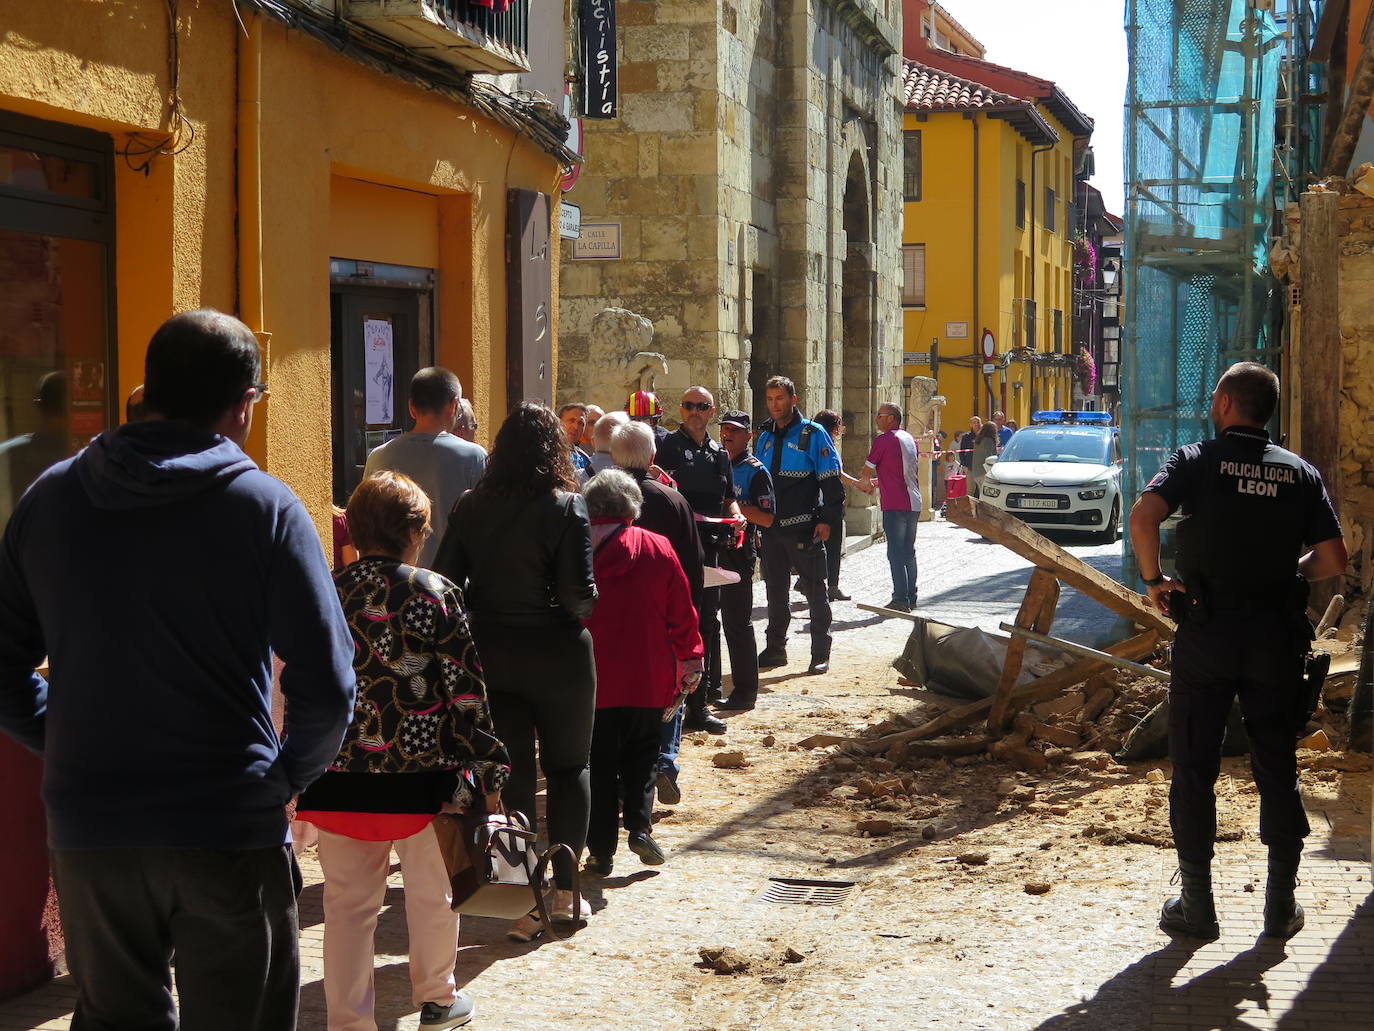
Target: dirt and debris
[[764, 961]]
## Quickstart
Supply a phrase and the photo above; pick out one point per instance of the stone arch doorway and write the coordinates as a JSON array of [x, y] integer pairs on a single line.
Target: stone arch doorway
[[856, 376]]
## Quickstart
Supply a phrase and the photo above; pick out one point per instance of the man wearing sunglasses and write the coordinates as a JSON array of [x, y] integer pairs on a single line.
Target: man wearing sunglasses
[[702, 471], [159, 570]]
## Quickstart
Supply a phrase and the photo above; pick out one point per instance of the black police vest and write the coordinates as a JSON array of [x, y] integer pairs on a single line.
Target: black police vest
[[1244, 518]]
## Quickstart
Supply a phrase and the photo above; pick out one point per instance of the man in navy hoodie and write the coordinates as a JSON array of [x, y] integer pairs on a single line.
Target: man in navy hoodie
[[159, 570]]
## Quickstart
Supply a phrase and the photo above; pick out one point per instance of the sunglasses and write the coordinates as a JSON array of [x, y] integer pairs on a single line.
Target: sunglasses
[[697, 406]]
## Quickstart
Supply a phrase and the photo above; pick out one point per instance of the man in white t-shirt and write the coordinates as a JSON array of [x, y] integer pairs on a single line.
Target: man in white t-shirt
[[444, 465]]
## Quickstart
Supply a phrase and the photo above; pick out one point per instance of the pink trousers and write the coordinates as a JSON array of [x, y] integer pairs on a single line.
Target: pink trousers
[[354, 886]]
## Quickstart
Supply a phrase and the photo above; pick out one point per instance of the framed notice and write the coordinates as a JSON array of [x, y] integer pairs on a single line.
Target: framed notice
[[598, 59], [379, 369]]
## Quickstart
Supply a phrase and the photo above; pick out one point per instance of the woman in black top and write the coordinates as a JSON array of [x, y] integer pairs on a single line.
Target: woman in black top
[[519, 544]]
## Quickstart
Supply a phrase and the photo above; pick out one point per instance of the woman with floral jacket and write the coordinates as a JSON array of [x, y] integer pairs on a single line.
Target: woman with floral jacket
[[421, 742]]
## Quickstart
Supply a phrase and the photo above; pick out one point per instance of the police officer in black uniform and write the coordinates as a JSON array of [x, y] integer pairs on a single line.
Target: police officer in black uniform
[[703, 474], [1249, 508], [754, 492]]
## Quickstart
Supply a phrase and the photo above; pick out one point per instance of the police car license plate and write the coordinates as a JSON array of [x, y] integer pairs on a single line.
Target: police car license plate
[[1039, 502]]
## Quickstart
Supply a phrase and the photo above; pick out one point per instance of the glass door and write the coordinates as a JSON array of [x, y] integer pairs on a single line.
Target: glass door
[[57, 375], [376, 350]]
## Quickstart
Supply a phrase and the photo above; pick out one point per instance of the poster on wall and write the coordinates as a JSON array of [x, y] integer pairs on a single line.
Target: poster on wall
[[598, 59], [380, 370]]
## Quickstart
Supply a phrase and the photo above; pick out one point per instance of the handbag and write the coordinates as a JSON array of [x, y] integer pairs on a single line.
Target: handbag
[[495, 868]]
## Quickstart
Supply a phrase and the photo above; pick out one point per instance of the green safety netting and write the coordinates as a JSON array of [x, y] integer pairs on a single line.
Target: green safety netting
[[1200, 159]]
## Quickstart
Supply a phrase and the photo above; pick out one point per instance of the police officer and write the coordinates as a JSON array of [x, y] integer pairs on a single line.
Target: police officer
[[754, 492], [801, 458], [703, 474], [1250, 508]]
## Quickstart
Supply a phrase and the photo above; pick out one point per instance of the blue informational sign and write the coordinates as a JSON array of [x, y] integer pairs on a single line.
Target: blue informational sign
[[598, 59]]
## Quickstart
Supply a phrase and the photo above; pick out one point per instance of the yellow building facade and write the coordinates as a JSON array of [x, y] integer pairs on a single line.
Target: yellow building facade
[[987, 238], [337, 196]]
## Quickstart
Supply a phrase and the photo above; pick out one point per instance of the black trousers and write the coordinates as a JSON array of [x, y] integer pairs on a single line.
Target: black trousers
[[228, 915], [834, 550], [708, 622], [737, 625], [781, 556], [624, 757], [1252, 655], [541, 685]]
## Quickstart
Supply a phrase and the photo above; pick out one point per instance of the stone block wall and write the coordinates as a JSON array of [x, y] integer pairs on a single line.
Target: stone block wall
[[655, 170], [1356, 234], [751, 132]]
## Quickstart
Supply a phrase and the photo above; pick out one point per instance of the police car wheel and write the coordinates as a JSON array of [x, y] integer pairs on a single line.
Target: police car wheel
[[1110, 532]]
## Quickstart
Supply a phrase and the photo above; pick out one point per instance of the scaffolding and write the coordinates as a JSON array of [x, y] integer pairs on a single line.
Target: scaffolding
[[1209, 164]]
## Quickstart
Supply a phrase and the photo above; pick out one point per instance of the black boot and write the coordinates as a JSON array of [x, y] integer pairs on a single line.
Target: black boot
[[697, 717], [1283, 917], [1192, 913]]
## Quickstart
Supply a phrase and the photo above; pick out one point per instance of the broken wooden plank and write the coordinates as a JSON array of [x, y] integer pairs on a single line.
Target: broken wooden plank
[[1061, 736], [1010, 532], [1036, 691], [1036, 613], [1098, 701]]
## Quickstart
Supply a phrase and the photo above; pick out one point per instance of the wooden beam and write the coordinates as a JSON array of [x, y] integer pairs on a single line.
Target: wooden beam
[[1347, 136], [1037, 613], [1045, 687], [1010, 532]]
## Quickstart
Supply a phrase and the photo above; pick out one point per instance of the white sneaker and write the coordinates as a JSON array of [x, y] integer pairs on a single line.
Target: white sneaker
[[562, 909], [526, 929]]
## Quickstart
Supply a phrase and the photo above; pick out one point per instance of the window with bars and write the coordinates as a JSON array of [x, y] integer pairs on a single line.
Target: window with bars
[[914, 275], [911, 164]]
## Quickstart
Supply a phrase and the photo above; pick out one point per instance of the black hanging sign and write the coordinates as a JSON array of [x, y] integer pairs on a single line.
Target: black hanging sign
[[598, 58]]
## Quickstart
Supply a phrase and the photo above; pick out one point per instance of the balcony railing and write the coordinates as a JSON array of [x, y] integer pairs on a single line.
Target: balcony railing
[[458, 32]]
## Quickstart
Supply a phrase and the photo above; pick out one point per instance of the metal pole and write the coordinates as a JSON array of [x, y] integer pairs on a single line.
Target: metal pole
[[1086, 652]]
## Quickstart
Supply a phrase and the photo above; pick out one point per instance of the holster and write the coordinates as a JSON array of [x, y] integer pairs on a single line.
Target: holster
[[1315, 666]]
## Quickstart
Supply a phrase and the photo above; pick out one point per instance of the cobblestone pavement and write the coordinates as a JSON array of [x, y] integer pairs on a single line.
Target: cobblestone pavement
[[923, 942]]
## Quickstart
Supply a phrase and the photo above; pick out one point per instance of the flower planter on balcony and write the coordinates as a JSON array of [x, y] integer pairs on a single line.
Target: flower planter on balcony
[[462, 33]]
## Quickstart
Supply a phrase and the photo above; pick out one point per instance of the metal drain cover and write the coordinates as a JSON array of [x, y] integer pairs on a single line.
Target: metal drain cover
[[797, 892]]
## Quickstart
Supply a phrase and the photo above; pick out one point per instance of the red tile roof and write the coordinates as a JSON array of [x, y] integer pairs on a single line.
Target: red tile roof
[[1023, 83], [927, 89]]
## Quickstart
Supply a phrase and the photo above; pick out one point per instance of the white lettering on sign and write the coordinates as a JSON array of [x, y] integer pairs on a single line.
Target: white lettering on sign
[[1258, 471]]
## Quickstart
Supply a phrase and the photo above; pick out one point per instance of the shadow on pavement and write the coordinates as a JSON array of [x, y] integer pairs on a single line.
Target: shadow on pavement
[[1345, 969], [1130, 999]]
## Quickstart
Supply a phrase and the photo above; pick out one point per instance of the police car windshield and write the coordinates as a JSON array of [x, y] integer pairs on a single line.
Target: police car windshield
[[1057, 444]]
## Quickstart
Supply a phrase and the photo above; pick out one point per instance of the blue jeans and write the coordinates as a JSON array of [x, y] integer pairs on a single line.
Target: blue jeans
[[669, 744], [900, 528]]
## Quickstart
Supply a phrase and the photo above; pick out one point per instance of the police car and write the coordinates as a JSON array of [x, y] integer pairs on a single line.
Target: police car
[[1063, 472]]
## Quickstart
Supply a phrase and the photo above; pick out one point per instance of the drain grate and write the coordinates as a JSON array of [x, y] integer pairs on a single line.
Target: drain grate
[[797, 892]]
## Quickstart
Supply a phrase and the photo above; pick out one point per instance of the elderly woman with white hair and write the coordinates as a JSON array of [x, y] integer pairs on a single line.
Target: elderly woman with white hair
[[664, 511], [648, 654], [601, 439]]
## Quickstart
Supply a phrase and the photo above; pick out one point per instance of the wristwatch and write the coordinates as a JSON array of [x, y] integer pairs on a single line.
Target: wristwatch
[[1153, 583]]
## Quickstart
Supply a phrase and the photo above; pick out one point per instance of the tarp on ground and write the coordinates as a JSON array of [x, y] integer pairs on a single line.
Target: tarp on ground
[[965, 662]]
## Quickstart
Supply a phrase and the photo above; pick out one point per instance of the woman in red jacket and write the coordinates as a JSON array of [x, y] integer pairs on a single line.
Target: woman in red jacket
[[648, 655]]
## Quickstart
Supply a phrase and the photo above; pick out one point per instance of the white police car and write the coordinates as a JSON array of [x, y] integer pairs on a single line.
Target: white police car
[[1063, 472]]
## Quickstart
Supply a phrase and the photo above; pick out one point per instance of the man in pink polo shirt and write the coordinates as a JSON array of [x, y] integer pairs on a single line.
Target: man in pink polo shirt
[[894, 460]]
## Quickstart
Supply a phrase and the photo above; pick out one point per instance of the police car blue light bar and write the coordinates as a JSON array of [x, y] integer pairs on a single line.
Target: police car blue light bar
[[1087, 418]]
